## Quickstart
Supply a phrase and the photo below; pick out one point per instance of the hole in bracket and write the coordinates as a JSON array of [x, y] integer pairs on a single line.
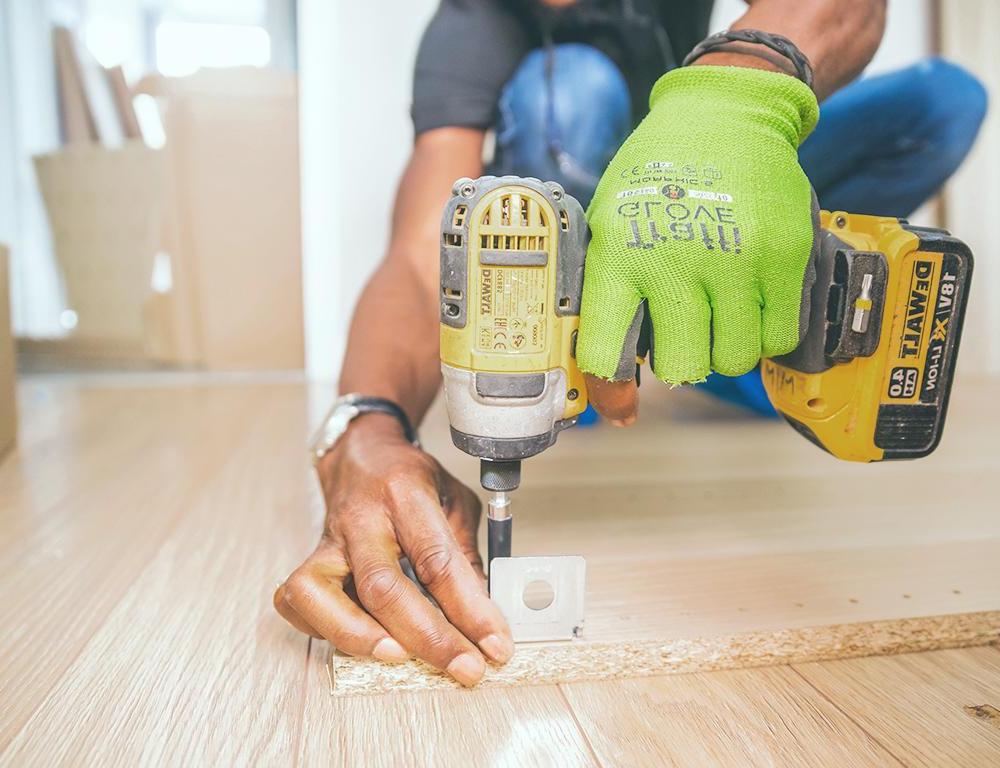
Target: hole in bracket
[[538, 595]]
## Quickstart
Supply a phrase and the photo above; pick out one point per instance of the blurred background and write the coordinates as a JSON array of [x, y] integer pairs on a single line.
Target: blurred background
[[206, 184]]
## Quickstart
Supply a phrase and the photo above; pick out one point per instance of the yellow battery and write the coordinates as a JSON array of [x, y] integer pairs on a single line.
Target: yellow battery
[[881, 392]]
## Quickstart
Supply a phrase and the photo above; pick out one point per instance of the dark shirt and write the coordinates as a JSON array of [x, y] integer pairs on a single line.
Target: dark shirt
[[471, 48]]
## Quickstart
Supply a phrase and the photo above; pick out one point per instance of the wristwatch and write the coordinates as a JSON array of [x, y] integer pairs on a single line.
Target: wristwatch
[[345, 410]]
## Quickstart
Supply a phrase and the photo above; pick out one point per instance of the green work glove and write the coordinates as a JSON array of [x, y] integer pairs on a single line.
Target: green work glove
[[704, 213]]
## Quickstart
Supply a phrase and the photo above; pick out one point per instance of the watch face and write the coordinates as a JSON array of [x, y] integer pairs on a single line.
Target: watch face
[[336, 424]]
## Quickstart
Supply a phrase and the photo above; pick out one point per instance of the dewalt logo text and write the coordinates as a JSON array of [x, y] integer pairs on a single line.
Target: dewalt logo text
[[916, 309]]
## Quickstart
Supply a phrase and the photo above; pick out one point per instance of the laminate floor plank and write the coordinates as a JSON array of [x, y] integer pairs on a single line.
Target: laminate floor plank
[[758, 717], [147, 519], [935, 709], [159, 644], [515, 728], [124, 481]]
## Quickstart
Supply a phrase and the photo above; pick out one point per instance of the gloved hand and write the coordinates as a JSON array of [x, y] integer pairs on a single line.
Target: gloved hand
[[705, 213]]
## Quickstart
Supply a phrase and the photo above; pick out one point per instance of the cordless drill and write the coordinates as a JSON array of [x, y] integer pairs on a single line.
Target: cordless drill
[[870, 380], [512, 255]]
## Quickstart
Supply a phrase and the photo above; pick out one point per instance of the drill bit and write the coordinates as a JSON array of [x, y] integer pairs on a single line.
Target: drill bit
[[498, 525]]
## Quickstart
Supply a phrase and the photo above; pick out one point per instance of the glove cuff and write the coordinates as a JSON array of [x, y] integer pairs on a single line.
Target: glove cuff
[[791, 102]]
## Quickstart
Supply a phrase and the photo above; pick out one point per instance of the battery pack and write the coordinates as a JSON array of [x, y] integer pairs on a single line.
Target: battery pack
[[872, 378]]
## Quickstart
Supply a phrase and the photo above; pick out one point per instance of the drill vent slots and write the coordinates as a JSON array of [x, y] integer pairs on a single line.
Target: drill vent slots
[[514, 212], [457, 220], [514, 242]]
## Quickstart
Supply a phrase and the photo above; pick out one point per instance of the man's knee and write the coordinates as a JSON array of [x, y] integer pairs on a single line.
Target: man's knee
[[953, 103], [587, 88], [592, 82]]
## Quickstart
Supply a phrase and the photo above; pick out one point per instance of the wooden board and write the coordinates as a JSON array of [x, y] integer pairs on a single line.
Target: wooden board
[[147, 517], [536, 664], [695, 526], [123, 102], [76, 121], [99, 95]]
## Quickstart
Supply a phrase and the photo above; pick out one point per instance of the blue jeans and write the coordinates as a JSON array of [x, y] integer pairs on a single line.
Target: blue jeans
[[883, 145]]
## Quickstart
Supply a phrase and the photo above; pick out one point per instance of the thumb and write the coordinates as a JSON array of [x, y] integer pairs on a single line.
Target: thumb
[[617, 401], [463, 510]]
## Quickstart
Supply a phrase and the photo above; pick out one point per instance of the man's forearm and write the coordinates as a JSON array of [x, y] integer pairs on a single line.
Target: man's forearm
[[839, 37], [392, 350]]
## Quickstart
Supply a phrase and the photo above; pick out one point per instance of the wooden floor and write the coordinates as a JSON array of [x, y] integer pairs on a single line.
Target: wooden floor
[[146, 519]]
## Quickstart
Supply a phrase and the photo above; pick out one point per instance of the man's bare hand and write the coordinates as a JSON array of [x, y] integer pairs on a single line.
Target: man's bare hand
[[387, 499]]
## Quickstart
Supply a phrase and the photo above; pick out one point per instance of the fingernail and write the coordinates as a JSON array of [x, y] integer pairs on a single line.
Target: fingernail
[[389, 651], [628, 421], [467, 669], [498, 648]]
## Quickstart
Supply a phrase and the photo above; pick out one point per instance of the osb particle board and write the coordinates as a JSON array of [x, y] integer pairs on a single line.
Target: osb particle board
[[738, 543], [572, 661]]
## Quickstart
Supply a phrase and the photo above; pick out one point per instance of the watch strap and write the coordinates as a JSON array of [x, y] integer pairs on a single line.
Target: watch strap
[[777, 43], [366, 404], [346, 410]]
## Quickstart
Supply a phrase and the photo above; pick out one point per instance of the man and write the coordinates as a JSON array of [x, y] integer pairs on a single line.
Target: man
[[563, 82]]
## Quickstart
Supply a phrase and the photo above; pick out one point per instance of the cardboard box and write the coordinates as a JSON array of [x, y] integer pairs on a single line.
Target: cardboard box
[[105, 212], [232, 222], [8, 405]]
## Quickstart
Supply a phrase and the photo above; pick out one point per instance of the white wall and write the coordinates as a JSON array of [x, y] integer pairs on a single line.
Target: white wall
[[28, 125], [356, 62], [972, 200]]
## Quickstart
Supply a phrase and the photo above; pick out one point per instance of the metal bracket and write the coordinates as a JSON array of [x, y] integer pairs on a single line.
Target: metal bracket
[[542, 598]]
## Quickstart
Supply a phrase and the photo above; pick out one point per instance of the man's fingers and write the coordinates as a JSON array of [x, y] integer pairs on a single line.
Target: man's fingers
[[681, 338], [463, 509], [398, 605], [780, 325], [617, 401], [610, 321], [735, 335], [288, 613], [442, 566], [315, 592]]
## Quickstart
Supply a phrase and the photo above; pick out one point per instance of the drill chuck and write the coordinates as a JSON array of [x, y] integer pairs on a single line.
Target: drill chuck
[[500, 476]]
